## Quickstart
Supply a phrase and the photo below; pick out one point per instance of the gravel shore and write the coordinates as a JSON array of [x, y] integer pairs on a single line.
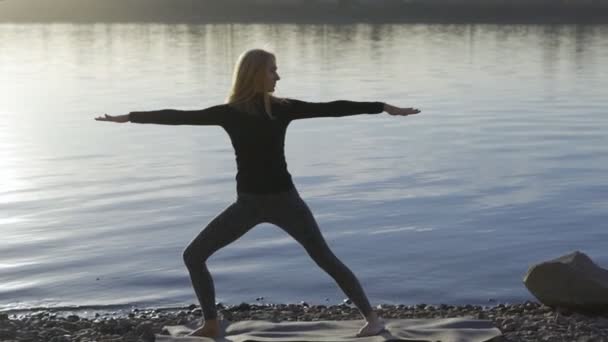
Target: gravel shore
[[527, 321]]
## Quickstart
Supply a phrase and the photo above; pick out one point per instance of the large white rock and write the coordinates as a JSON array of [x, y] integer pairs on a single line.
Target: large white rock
[[571, 281]]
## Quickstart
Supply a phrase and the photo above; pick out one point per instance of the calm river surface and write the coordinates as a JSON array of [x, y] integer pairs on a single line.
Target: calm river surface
[[506, 166]]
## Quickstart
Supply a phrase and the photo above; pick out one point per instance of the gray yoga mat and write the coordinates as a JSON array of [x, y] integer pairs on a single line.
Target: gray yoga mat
[[440, 329]]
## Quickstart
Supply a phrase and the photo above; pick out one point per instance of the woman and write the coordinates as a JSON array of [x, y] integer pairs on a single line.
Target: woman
[[256, 122]]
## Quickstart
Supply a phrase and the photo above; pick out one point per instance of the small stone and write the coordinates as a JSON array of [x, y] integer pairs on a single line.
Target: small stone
[[61, 338], [73, 318], [148, 336], [143, 327], [508, 327], [7, 334], [57, 331], [243, 307], [70, 326]]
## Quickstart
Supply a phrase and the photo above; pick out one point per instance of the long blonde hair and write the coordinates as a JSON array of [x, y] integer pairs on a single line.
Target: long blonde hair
[[249, 81]]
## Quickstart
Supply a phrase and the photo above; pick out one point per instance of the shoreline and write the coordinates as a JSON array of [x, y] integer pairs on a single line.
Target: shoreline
[[527, 321]]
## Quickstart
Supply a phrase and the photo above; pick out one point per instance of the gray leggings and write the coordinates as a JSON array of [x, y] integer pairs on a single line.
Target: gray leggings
[[285, 210]]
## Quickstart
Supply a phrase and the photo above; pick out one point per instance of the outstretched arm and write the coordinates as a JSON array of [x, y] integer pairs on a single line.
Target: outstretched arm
[[297, 109], [210, 116]]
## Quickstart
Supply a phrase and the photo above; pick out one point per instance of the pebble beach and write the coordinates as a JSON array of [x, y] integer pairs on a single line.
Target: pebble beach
[[529, 321]]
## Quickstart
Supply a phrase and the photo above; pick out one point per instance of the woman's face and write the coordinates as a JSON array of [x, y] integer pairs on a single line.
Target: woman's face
[[271, 76]]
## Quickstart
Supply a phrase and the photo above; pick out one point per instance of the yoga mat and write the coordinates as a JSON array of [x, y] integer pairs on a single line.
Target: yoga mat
[[459, 329]]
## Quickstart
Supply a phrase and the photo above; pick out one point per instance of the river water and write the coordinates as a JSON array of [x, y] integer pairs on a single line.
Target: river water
[[506, 166]]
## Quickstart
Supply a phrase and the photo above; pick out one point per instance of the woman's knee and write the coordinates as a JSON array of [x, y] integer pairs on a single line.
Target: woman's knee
[[188, 256], [194, 256]]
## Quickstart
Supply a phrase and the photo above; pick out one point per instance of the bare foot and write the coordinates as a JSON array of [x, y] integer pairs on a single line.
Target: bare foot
[[210, 328], [373, 326]]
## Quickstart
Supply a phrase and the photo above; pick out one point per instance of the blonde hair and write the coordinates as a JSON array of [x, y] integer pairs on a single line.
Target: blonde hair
[[249, 81]]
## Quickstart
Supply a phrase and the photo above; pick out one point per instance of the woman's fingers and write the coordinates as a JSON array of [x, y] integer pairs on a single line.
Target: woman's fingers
[[404, 111], [113, 118], [392, 110], [106, 118]]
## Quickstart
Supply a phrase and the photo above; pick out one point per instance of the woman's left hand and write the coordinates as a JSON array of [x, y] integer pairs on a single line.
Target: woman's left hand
[[392, 110]]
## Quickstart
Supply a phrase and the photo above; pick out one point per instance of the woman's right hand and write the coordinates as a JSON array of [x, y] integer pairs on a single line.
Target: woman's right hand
[[392, 110], [116, 118]]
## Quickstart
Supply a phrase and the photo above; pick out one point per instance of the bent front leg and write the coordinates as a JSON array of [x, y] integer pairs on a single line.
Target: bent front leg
[[227, 227]]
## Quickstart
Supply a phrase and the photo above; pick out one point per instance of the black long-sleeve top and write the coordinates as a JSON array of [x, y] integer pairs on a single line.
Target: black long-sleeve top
[[258, 140]]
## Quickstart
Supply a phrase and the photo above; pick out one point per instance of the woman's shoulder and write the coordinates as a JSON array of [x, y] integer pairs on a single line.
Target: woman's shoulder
[[229, 108], [284, 102], [279, 100], [281, 105]]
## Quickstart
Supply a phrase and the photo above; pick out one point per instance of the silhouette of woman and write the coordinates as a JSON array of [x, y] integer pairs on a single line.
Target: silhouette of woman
[[256, 122]]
